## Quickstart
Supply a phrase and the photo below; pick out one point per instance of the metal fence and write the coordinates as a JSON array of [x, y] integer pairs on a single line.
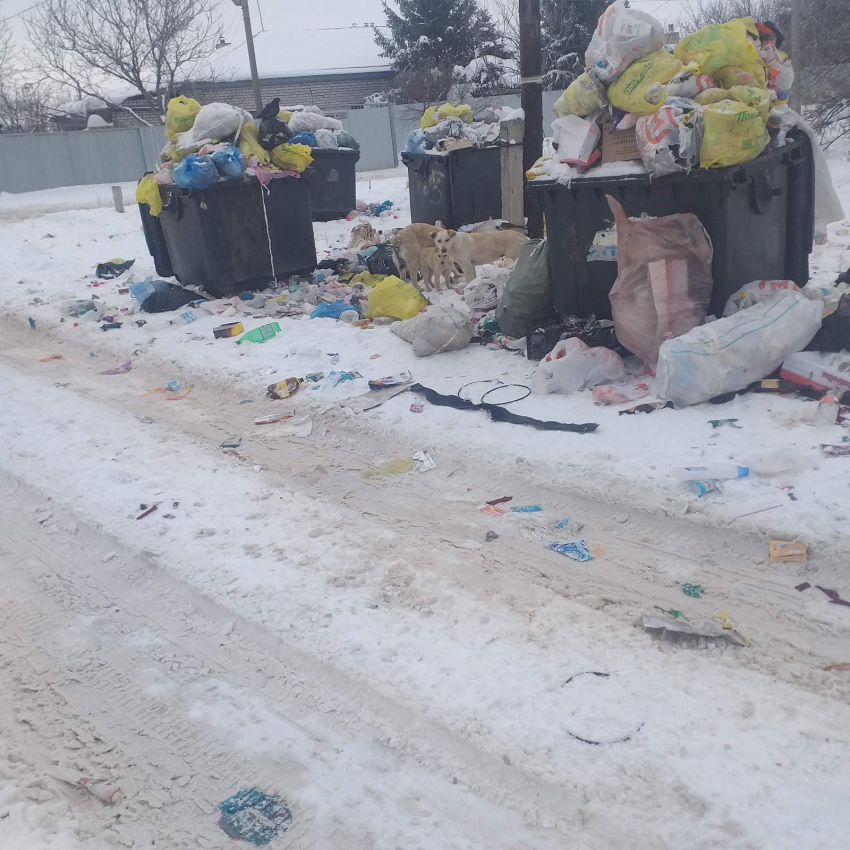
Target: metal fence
[[48, 160]]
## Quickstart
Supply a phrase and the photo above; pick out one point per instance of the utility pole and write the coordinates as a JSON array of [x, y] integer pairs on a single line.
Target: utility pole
[[252, 58], [796, 54], [531, 82]]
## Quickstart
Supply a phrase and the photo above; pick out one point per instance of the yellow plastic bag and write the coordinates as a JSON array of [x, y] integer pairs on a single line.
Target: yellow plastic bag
[[292, 157], [704, 98], [462, 111], [429, 118], [147, 192], [367, 279], [751, 72], [393, 297], [285, 115], [539, 169], [579, 98], [628, 91], [180, 116], [732, 133], [752, 96], [250, 146], [717, 45]]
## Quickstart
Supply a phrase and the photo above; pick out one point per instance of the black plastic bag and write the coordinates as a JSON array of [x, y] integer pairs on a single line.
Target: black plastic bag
[[834, 333], [110, 270], [273, 132], [172, 298]]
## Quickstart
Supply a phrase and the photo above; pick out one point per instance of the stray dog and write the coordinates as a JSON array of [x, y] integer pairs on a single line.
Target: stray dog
[[408, 244], [434, 270], [469, 250]]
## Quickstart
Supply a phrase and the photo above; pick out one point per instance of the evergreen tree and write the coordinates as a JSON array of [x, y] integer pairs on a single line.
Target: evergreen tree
[[438, 34], [566, 30]]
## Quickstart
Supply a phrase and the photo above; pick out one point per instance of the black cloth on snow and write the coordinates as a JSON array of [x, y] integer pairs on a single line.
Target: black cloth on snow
[[172, 298]]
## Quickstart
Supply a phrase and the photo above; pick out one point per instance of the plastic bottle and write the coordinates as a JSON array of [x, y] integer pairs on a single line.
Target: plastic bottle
[[703, 488], [713, 472], [827, 412]]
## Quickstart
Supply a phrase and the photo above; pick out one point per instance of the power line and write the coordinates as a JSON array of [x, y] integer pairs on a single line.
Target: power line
[[23, 11]]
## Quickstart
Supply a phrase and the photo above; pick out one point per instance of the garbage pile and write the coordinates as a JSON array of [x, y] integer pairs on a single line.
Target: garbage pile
[[718, 99], [450, 127], [220, 142]]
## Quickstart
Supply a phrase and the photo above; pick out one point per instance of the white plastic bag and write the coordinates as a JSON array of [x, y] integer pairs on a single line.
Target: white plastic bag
[[757, 291], [572, 365], [437, 329], [576, 139], [310, 122], [622, 36], [485, 292], [326, 139], [660, 138], [213, 122], [731, 353]]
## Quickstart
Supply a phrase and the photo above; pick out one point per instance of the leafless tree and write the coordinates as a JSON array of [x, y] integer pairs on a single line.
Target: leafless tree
[[151, 46], [701, 13]]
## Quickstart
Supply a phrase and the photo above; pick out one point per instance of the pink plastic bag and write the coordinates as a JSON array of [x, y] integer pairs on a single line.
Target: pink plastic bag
[[664, 281]]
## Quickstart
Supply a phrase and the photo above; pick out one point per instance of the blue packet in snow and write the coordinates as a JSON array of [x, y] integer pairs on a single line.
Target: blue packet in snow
[[577, 550]]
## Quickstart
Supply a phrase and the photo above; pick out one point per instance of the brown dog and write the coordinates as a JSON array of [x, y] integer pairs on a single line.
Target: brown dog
[[408, 244], [469, 250], [433, 270]]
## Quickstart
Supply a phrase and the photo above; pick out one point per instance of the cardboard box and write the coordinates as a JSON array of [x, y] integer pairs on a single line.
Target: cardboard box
[[782, 550], [447, 145], [619, 146]]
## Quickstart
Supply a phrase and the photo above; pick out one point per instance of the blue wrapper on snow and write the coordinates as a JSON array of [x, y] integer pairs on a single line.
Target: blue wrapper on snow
[[304, 137], [194, 172], [254, 817], [332, 311], [577, 550], [142, 290], [230, 163]]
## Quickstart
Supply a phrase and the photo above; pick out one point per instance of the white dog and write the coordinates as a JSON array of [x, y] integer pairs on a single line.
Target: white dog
[[469, 250], [434, 271]]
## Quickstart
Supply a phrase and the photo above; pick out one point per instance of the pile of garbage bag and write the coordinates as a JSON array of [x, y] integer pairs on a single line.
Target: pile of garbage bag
[[219, 141], [719, 98], [451, 126]]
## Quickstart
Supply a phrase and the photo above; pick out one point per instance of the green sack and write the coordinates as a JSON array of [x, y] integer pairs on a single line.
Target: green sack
[[345, 140], [528, 291]]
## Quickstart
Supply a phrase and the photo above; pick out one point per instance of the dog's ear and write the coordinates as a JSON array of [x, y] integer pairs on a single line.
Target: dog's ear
[[433, 234], [452, 234]]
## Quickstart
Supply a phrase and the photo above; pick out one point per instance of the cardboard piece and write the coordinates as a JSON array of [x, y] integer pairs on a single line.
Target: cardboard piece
[[447, 145], [781, 550], [619, 146]]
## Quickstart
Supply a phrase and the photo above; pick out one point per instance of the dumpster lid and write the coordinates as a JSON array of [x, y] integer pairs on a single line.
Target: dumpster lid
[[735, 174]]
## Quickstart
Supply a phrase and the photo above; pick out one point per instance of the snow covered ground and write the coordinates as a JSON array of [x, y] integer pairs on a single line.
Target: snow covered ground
[[356, 644]]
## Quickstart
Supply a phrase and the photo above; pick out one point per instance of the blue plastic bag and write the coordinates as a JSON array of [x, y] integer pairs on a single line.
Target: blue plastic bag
[[332, 311], [142, 290], [230, 163], [304, 137], [194, 172], [416, 142]]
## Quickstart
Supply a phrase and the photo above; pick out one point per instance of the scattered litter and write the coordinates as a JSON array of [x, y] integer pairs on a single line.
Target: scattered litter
[[718, 423], [651, 407], [146, 512], [782, 550], [283, 389], [670, 612], [493, 510], [562, 523], [374, 398], [228, 330], [112, 268], [694, 590], [490, 536], [803, 586], [179, 395], [254, 816], [232, 443], [672, 628], [31, 321], [576, 550], [526, 509], [425, 460], [275, 417], [374, 356], [119, 370], [292, 427], [834, 596], [395, 466], [390, 381], [110, 326], [174, 386], [52, 357], [260, 334], [417, 407], [500, 501], [753, 513], [103, 789], [834, 451], [840, 667]]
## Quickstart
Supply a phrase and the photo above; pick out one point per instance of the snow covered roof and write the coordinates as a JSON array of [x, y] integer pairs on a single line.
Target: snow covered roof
[[317, 40]]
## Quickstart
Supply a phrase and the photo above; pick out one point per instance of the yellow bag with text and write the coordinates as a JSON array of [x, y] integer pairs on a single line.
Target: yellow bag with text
[[718, 45], [732, 133], [291, 157], [628, 91], [579, 98], [147, 192], [393, 297], [752, 96], [249, 144]]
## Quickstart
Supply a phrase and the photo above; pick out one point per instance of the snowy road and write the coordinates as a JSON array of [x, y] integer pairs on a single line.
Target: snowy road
[[357, 647]]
